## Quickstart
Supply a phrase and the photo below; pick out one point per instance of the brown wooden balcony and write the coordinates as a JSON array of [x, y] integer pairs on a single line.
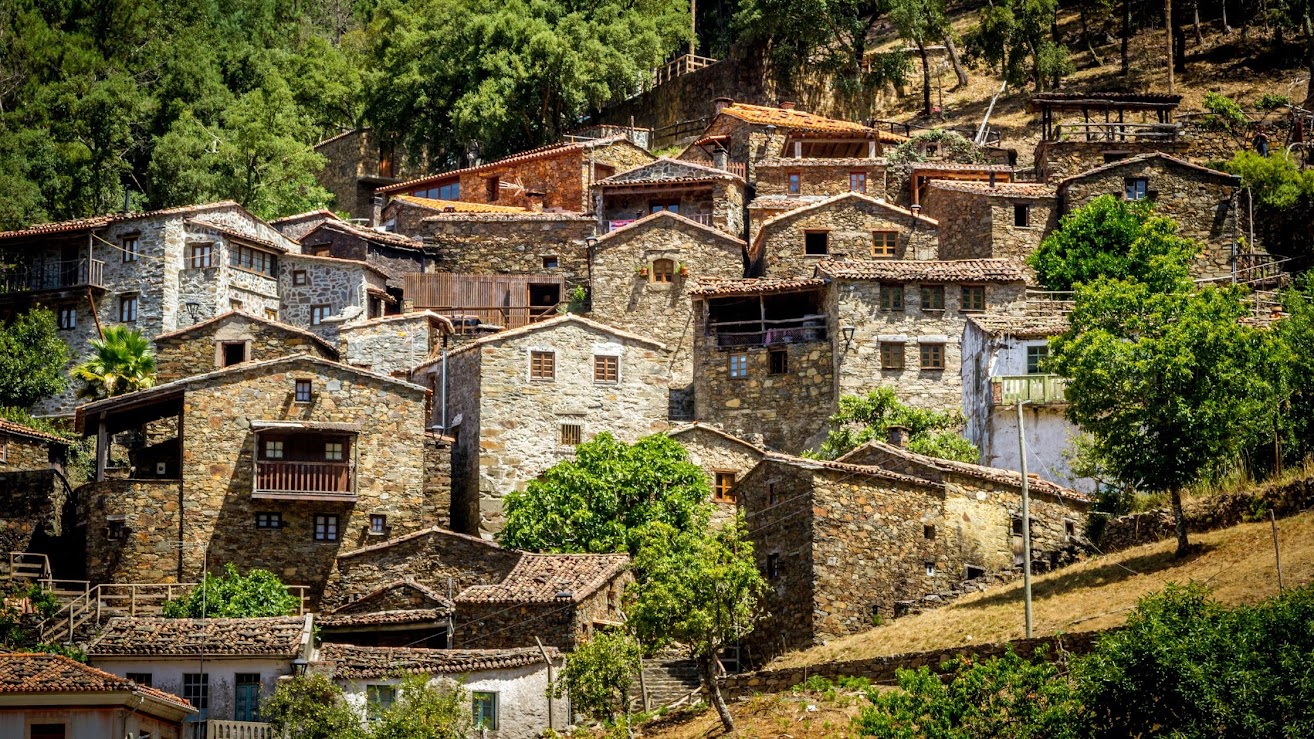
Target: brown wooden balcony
[[292, 480], [74, 274]]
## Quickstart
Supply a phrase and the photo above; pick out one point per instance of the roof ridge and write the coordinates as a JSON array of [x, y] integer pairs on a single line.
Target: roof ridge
[[681, 219], [238, 312]]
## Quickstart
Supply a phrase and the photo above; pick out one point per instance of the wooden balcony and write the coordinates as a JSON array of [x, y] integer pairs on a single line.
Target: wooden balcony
[[211, 729], [292, 480], [1030, 389], [1116, 131], [69, 275], [766, 332]]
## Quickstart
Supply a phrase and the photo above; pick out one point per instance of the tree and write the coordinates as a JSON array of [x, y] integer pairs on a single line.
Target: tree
[[310, 706], [921, 22], [1283, 195], [862, 418], [1295, 16], [699, 589], [234, 595], [595, 501], [598, 677], [1167, 380], [32, 359], [123, 363], [1017, 38], [426, 709]]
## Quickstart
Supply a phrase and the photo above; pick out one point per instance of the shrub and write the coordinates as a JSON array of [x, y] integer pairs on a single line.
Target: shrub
[[234, 595]]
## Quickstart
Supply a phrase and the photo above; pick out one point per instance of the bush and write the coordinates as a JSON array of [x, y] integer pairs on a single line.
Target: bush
[[1272, 101], [234, 595]]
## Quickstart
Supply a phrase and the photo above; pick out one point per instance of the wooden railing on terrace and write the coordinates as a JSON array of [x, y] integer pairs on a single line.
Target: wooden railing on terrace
[[1115, 131], [22, 278], [1032, 389], [680, 66], [763, 332], [992, 137], [278, 477], [34, 568], [213, 729]]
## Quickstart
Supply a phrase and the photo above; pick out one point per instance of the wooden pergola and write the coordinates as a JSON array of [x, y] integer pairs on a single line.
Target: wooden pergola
[[1054, 104]]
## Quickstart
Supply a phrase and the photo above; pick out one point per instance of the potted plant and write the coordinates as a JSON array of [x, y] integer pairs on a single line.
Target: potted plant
[[642, 271], [684, 270]]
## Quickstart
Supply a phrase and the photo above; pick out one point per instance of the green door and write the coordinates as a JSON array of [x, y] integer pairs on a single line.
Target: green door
[[247, 704]]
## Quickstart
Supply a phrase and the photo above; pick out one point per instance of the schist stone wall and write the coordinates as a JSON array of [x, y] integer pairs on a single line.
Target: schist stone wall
[[199, 350], [623, 298], [715, 452], [353, 169], [516, 243], [564, 179], [974, 225], [32, 509], [510, 625], [849, 224], [718, 203], [1056, 160], [394, 259], [338, 287], [821, 176], [390, 345], [518, 424]]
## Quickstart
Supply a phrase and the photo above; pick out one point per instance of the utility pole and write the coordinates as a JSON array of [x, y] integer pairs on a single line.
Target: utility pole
[[1026, 517]]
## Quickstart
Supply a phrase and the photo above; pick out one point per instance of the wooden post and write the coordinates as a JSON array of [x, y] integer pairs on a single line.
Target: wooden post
[[102, 448], [1277, 551], [1026, 518]]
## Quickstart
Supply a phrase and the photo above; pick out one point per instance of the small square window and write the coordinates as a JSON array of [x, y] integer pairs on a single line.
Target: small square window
[[892, 355], [318, 313], [551, 263], [269, 520], [1070, 528], [128, 308], [1021, 215], [884, 244], [485, 710], [723, 487], [779, 361], [542, 365], [857, 182], [303, 391], [663, 271], [773, 566], [334, 451], [928, 531], [1036, 356], [379, 698], [891, 296], [116, 530], [201, 256], [68, 317], [378, 523], [1017, 526], [141, 678], [273, 449], [816, 243], [932, 356], [973, 298], [930, 569], [572, 434], [271, 314], [326, 527], [606, 369], [738, 366], [299, 277], [932, 297], [1135, 188], [130, 253], [234, 352], [795, 183]]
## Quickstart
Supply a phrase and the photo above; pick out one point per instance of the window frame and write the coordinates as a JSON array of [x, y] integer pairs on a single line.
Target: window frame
[[196, 690], [480, 698], [327, 528], [300, 278], [69, 311], [551, 262], [570, 435], [724, 493], [888, 350], [794, 183], [200, 255], [929, 294], [737, 363], [814, 233], [137, 677], [934, 352], [896, 290], [772, 354], [374, 706], [273, 449], [224, 346], [1023, 210], [335, 451], [303, 384], [606, 369], [255, 261], [269, 520], [493, 188], [320, 312], [542, 366], [663, 276], [884, 244], [378, 523], [130, 246], [773, 566], [1039, 353], [967, 302], [1135, 185], [860, 179], [129, 305]]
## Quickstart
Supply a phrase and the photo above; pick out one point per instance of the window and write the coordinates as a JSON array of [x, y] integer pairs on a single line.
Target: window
[[795, 182], [273, 449], [116, 530], [379, 698], [48, 731], [141, 678], [663, 270], [271, 314], [1070, 528], [68, 317], [493, 188], [771, 493], [930, 569], [551, 263], [1036, 355], [657, 206], [884, 243], [973, 572], [201, 256], [773, 566], [4, 450], [891, 297], [1135, 188], [196, 689], [816, 243], [723, 486], [606, 368], [857, 182], [542, 365], [333, 451], [235, 304], [299, 277], [932, 356], [450, 191], [326, 527], [128, 308], [932, 297], [891, 355], [234, 352], [572, 434], [252, 260], [1017, 525], [130, 248], [318, 313], [928, 531], [378, 523], [779, 364], [303, 392], [485, 709], [738, 366], [1021, 215], [271, 520], [973, 298]]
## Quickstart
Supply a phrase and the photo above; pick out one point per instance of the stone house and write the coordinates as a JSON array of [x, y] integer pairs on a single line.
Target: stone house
[[558, 598], [278, 464], [642, 276], [1133, 124], [232, 338], [392, 345], [562, 172], [35, 509], [711, 196], [322, 294], [52, 696], [724, 458], [1007, 220], [922, 174], [404, 214], [1003, 362], [357, 163], [546, 244], [851, 225], [393, 254], [900, 323], [1205, 203], [803, 177], [299, 224], [509, 688], [154, 272], [519, 401], [764, 361], [401, 613], [923, 526], [224, 667]]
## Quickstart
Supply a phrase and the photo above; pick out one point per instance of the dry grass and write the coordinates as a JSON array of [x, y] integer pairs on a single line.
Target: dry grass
[[787, 715], [1237, 563]]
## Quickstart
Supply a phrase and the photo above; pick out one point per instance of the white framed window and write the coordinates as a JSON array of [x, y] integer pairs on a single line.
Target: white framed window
[[68, 317], [273, 449], [326, 527], [128, 309], [129, 246], [318, 313], [201, 256]]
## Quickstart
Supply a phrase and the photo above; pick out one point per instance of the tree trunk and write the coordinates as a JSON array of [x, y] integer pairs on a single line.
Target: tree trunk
[[1126, 36], [1168, 32], [1309, 60], [707, 671], [926, 79], [1226, 28], [1085, 35], [959, 72], [1195, 10], [1179, 48], [1179, 523]]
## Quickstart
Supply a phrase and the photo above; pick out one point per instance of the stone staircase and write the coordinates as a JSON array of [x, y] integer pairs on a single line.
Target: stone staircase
[[669, 678]]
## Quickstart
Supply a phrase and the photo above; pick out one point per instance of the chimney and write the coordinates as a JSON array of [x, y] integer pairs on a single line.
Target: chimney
[[721, 103], [721, 158], [534, 200], [786, 104], [897, 436]]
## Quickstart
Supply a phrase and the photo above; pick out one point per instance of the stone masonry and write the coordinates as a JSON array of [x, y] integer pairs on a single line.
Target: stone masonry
[[980, 221], [848, 225], [711, 196], [199, 348], [392, 345], [511, 243], [1056, 160], [717, 452], [821, 176], [321, 294]]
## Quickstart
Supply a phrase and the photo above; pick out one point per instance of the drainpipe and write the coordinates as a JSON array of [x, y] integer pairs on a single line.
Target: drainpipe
[[443, 394]]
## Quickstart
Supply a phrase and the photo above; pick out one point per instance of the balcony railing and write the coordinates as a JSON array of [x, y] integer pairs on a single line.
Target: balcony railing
[[1033, 389], [211, 729], [74, 273], [1114, 131], [305, 480], [767, 332], [681, 65]]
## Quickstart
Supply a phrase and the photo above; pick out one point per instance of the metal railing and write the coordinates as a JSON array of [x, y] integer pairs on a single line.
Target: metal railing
[[52, 276], [214, 729], [304, 477], [1033, 389], [1114, 131], [679, 66], [764, 332]]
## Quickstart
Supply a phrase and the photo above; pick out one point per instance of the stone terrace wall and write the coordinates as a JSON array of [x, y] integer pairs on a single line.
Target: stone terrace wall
[[151, 511], [1056, 160], [850, 223], [32, 506], [198, 351], [483, 243]]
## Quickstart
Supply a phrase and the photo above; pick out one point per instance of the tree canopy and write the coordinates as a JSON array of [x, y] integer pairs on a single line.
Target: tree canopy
[[234, 595], [862, 418], [122, 362], [32, 358]]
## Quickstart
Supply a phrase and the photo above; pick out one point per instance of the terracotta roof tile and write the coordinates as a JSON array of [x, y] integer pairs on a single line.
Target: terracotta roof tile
[[332, 348], [959, 270], [350, 662], [459, 206], [408, 583], [238, 235], [542, 152], [797, 120], [960, 167], [665, 219], [757, 286], [793, 163], [101, 221], [1152, 156], [1000, 189], [1022, 327], [26, 673], [344, 263], [177, 637], [700, 426], [540, 578], [372, 234], [384, 618], [667, 170], [840, 466], [319, 213], [524, 216], [9, 427], [500, 336], [991, 474]]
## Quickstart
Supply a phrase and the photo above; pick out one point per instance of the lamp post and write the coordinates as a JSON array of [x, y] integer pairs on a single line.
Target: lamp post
[[1026, 517]]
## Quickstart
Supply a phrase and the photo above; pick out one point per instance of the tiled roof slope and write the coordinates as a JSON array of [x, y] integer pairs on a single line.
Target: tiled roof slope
[[1168, 159], [30, 674], [382, 237], [179, 637], [1021, 327], [542, 152], [756, 286], [9, 427], [797, 120], [459, 206], [100, 221], [384, 618], [539, 578], [351, 662], [981, 472], [666, 169], [1000, 189], [958, 270]]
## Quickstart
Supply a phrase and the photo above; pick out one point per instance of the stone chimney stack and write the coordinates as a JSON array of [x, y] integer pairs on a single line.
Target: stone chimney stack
[[534, 201], [898, 436], [721, 103], [721, 158], [786, 104]]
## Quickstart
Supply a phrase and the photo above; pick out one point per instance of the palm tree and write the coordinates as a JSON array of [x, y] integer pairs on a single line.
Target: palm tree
[[123, 363]]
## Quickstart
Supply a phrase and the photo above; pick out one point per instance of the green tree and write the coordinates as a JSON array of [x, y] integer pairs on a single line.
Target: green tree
[[862, 418], [594, 502], [698, 589], [921, 23], [123, 363], [1296, 334], [234, 595], [310, 706], [1283, 194], [598, 677], [426, 709], [32, 358], [1019, 38]]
